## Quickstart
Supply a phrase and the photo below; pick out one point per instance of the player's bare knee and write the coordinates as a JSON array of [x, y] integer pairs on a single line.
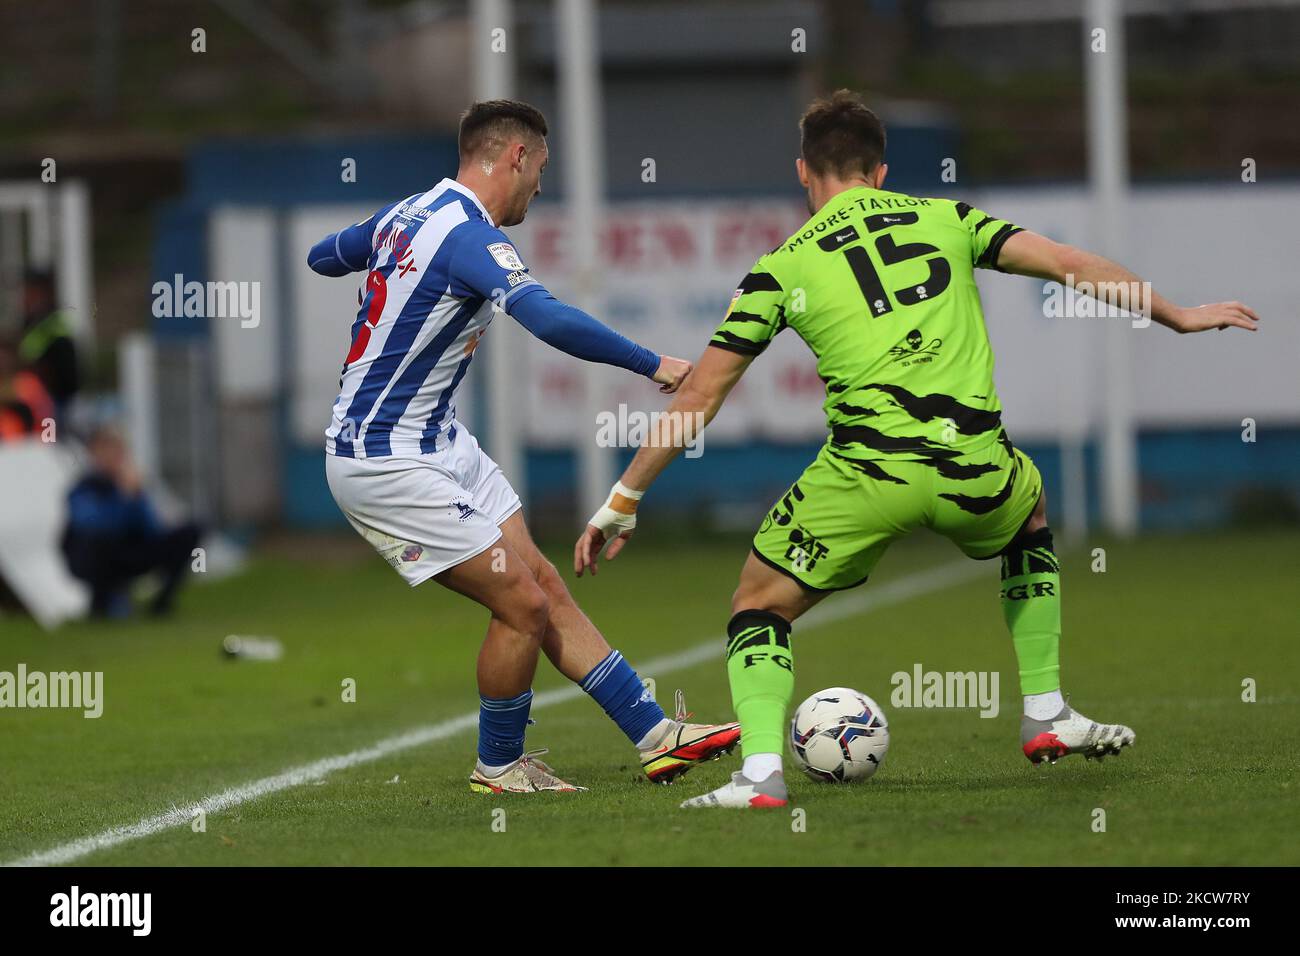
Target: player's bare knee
[[1038, 519], [741, 599], [757, 599], [548, 577], [538, 612], [529, 610]]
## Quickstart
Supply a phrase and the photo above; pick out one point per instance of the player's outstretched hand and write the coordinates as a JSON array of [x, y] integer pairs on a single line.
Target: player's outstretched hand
[[614, 522], [1218, 315], [671, 373], [587, 551]]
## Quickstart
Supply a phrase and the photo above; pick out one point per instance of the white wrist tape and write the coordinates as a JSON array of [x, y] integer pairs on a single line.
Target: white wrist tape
[[622, 489], [618, 514]]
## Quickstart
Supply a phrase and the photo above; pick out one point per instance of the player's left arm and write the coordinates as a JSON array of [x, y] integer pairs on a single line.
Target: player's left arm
[[696, 404], [486, 263], [581, 335], [1029, 254]]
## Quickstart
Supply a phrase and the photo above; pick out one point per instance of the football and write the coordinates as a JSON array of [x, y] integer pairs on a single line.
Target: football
[[839, 735]]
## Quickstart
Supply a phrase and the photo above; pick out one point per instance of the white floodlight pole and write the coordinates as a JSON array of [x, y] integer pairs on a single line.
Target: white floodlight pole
[[493, 56], [583, 164], [1108, 176], [492, 45], [75, 281], [137, 363]]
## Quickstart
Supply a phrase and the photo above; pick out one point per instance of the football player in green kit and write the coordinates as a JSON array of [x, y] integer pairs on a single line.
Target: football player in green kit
[[881, 287]]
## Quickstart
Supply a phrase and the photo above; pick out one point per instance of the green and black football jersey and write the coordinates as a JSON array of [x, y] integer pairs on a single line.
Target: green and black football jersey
[[881, 286]]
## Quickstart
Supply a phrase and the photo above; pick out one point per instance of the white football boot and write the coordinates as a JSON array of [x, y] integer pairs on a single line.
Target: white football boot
[[1069, 732], [743, 793], [525, 775]]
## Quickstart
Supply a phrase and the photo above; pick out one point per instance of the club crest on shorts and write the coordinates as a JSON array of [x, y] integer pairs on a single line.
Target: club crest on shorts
[[466, 510]]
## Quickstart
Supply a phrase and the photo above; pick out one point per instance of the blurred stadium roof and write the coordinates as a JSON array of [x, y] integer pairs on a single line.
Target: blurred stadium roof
[[112, 89]]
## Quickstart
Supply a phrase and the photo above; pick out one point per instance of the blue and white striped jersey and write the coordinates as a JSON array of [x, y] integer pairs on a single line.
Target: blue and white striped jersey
[[436, 262]]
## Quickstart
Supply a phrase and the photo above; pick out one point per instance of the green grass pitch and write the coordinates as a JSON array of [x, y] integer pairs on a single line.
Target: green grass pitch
[[1162, 641]]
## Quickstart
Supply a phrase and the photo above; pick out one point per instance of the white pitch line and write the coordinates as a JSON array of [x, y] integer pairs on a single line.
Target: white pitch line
[[895, 592]]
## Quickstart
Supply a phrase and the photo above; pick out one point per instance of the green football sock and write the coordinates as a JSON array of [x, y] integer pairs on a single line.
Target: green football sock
[[761, 670], [1031, 604]]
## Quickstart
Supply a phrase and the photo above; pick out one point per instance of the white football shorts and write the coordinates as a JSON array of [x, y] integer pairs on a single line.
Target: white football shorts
[[425, 513]]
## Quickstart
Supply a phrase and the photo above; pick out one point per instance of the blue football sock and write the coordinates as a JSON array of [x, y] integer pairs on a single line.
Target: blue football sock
[[501, 725], [614, 685]]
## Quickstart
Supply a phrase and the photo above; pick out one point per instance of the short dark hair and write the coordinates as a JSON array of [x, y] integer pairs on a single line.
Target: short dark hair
[[491, 123], [840, 136]]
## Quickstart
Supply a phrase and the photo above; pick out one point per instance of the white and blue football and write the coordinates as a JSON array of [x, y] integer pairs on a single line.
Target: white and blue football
[[839, 735]]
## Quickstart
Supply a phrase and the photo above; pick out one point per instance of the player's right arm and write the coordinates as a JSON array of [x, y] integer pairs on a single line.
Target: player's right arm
[[757, 313], [1029, 254], [705, 389], [347, 250]]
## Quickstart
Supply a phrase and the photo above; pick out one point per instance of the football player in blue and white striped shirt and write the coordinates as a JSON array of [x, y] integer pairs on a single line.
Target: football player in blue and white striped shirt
[[415, 483]]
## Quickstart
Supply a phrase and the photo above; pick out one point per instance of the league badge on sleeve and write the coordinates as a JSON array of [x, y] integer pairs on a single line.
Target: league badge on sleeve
[[505, 256], [734, 298]]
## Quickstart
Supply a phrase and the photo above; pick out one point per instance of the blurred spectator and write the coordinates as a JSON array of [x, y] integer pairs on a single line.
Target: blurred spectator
[[25, 405], [47, 346], [113, 535]]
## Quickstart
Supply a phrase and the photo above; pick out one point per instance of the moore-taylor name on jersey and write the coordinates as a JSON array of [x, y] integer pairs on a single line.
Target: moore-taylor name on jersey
[[857, 205]]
